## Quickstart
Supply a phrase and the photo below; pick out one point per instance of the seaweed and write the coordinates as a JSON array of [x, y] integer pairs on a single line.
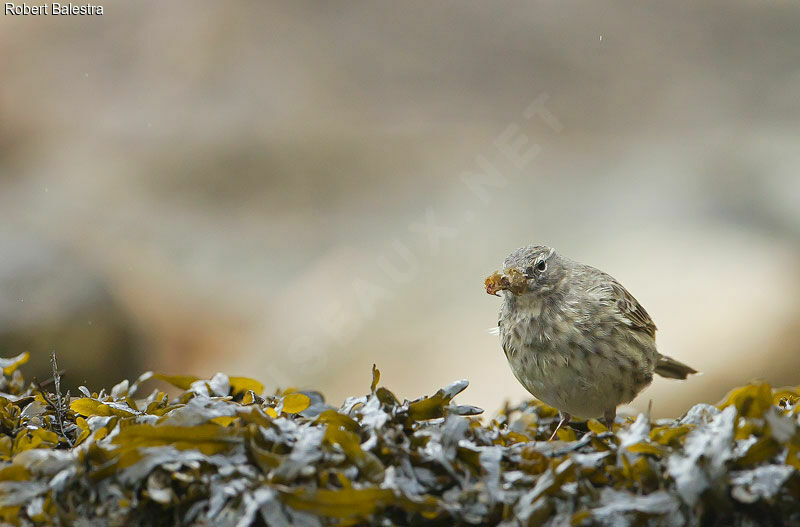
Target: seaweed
[[222, 451]]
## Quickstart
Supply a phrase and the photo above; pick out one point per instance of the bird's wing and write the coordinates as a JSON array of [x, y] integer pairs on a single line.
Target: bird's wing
[[630, 310]]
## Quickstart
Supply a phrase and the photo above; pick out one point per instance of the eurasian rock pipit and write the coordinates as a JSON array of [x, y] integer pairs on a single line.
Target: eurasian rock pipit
[[574, 337]]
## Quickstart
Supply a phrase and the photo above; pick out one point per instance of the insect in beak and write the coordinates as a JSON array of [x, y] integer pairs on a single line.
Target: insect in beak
[[511, 280]]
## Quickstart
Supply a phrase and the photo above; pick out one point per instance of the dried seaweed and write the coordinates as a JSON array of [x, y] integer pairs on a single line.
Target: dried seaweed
[[222, 452]]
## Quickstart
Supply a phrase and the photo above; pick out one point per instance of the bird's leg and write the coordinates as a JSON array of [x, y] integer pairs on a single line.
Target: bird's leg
[[608, 419], [565, 417]]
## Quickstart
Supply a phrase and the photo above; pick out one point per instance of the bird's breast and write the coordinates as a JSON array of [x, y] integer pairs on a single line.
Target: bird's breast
[[569, 366], [537, 326]]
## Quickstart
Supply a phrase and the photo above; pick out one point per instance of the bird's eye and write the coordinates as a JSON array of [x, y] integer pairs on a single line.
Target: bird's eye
[[541, 266]]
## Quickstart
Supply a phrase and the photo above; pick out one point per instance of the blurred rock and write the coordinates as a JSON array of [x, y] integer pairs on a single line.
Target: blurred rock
[[50, 301]]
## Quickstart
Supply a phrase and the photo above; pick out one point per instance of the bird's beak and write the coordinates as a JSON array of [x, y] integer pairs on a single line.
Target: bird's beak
[[510, 280]]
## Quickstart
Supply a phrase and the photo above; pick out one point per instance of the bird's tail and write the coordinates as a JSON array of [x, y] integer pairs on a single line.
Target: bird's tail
[[672, 369]]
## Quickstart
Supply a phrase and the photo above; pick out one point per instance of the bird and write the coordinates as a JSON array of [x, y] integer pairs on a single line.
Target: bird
[[574, 337]]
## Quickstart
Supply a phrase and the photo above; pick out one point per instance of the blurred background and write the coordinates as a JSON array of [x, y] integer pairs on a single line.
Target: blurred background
[[294, 191]]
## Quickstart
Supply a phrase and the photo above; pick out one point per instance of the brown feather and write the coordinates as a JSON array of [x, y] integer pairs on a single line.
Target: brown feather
[[630, 308]]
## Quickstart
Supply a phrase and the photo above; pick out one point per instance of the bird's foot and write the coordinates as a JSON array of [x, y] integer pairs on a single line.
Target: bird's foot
[[565, 417], [608, 419]]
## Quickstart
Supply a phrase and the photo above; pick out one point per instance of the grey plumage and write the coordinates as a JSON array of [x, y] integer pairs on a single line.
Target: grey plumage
[[575, 337]]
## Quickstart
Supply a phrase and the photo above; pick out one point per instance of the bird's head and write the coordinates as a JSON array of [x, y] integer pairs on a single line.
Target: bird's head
[[535, 269]]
